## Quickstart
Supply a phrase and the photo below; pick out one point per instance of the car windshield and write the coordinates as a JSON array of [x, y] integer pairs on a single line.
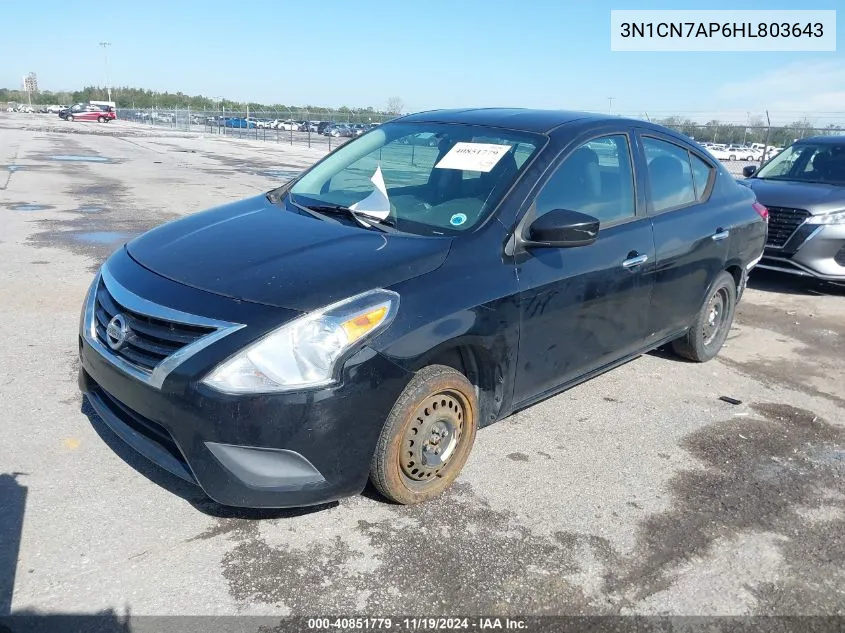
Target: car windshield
[[425, 178], [808, 162]]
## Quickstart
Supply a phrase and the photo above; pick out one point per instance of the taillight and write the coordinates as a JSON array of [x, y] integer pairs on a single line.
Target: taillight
[[762, 211]]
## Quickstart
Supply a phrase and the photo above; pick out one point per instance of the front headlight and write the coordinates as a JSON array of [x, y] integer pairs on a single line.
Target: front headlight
[[304, 352], [828, 218]]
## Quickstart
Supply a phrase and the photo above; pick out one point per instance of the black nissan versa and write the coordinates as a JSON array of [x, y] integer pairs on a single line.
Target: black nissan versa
[[364, 319]]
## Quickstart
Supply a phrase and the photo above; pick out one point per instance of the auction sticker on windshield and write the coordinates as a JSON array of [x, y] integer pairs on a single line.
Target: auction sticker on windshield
[[473, 156]]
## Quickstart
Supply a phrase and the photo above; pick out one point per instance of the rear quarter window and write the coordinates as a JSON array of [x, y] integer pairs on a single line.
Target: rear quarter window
[[677, 178]]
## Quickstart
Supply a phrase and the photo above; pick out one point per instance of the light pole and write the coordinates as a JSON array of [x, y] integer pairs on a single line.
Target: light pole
[[105, 46], [610, 103], [747, 124]]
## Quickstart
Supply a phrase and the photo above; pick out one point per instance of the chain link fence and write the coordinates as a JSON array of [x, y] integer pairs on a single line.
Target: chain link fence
[[323, 130]]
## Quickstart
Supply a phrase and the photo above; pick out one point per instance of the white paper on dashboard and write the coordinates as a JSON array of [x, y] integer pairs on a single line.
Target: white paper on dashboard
[[376, 204], [473, 156]]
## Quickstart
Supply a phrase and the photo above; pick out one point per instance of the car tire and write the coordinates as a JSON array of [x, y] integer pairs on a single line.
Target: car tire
[[712, 324], [440, 405], [69, 117], [101, 119], [731, 157]]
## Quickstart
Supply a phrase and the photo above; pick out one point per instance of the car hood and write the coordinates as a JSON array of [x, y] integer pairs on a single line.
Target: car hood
[[253, 250], [814, 197]]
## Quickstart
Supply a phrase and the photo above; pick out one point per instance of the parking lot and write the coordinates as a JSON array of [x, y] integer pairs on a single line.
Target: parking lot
[[637, 492]]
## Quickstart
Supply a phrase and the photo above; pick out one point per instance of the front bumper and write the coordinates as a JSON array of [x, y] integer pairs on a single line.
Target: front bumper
[[282, 450], [813, 251], [267, 450]]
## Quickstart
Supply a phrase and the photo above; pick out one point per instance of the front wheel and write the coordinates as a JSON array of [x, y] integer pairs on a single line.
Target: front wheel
[[711, 326], [69, 117], [427, 437], [101, 119]]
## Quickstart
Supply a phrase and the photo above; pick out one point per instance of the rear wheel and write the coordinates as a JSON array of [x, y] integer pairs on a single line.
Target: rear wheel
[[711, 326], [427, 437]]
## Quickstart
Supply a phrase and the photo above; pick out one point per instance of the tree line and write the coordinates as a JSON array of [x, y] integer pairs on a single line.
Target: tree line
[[126, 97], [755, 131]]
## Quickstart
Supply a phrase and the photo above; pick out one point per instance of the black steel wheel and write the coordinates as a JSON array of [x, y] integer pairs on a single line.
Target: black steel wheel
[[707, 334]]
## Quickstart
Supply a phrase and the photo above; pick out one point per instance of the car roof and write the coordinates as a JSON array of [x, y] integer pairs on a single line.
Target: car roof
[[826, 140], [525, 120]]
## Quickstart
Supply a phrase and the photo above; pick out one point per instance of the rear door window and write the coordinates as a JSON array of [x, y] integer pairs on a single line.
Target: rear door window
[[670, 175]]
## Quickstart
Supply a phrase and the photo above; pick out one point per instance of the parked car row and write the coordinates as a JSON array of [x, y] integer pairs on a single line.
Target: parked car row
[[731, 152], [348, 130], [326, 128], [40, 109], [155, 115]]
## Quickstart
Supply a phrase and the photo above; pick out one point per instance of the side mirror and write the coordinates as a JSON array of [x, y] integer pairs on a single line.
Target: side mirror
[[563, 229], [749, 170]]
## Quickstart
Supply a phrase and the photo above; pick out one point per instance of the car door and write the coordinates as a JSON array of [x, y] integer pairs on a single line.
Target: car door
[[691, 227], [583, 308]]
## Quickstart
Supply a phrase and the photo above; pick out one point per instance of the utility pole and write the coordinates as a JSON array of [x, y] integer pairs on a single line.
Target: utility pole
[[766, 142], [610, 103], [105, 46]]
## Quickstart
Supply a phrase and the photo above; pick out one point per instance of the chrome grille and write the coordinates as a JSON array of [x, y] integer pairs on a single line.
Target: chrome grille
[[783, 222], [150, 340]]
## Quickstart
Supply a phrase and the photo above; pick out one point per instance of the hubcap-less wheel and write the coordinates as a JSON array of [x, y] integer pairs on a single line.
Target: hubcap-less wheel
[[427, 436], [715, 316], [712, 324], [433, 435]]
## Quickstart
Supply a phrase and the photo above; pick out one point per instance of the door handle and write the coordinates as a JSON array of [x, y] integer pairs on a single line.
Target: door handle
[[632, 262], [720, 234]]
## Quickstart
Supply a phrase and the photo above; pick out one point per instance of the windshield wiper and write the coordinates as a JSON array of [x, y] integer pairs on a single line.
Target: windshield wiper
[[362, 218]]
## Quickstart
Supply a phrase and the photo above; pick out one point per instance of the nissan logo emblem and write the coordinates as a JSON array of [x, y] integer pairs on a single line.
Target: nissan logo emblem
[[116, 332]]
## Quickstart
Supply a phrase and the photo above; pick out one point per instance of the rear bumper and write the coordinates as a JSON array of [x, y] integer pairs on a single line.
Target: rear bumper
[[268, 451]]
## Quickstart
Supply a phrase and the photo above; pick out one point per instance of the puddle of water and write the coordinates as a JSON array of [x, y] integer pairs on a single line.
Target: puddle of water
[[80, 158], [279, 173], [101, 237], [90, 208], [30, 207]]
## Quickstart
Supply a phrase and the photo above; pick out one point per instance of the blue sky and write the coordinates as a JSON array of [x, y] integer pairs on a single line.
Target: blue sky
[[531, 53]]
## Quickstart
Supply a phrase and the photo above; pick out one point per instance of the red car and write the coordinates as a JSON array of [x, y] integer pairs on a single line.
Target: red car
[[88, 112]]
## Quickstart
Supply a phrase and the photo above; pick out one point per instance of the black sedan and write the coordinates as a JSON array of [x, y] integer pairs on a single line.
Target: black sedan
[[365, 319]]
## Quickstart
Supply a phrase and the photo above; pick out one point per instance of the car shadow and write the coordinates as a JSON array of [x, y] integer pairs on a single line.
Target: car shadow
[[13, 498], [665, 352], [773, 281], [189, 492], [12, 505]]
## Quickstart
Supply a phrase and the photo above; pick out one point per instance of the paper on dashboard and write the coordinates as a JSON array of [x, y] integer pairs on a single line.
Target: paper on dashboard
[[377, 203], [473, 156]]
